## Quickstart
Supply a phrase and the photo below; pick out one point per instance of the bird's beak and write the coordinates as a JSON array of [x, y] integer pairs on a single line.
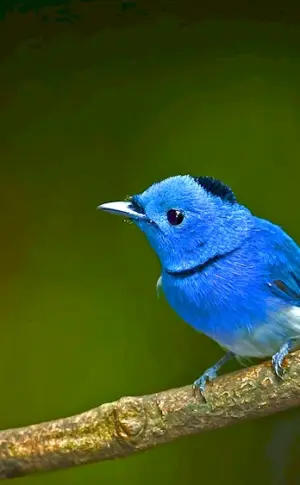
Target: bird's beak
[[124, 209]]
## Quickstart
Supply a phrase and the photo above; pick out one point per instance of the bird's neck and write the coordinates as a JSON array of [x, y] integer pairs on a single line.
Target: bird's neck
[[200, 267], [224, 239]]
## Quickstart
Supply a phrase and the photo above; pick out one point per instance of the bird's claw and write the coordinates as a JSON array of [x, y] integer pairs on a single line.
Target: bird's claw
[[208, 375], [279, 357], [277, 360]]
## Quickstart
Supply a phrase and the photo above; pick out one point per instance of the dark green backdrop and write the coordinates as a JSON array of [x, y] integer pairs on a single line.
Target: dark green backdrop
[[86, 119]]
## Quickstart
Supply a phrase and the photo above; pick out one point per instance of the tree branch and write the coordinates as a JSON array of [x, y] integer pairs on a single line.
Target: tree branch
[[133, 424]]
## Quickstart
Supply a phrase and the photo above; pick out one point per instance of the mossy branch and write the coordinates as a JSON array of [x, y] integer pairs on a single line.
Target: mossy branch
[[133, 424]]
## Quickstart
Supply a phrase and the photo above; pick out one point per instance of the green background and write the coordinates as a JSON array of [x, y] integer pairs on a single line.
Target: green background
[[89, 118]]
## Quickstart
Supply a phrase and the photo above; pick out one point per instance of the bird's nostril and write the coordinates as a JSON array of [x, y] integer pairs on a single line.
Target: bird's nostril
[[135, 205]]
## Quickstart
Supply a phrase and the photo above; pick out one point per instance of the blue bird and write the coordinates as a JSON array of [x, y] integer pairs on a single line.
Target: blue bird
[[230, 275]]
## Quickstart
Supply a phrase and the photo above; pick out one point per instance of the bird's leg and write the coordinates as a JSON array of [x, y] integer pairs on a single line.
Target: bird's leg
[[279, 357], [211, 372]]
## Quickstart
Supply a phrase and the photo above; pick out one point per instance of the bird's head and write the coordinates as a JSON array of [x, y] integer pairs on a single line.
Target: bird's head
[[187, 220]]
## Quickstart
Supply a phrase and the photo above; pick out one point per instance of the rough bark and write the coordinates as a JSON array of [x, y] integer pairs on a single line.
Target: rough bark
[[133, 424]]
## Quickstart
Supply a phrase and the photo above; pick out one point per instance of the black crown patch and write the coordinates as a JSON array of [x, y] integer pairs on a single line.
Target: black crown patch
[[217, 188]]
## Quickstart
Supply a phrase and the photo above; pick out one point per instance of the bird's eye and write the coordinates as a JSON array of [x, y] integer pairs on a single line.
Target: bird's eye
[[175, 217]]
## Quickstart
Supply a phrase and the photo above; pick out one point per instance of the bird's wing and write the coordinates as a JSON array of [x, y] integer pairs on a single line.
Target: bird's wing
[[285, 273]]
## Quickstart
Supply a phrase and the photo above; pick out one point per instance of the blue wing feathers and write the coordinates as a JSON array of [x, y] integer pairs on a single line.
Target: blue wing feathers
[[283, 259]]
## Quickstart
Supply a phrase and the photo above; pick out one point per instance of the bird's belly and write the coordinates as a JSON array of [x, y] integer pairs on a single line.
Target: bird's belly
[[265, 339], [253, 326]]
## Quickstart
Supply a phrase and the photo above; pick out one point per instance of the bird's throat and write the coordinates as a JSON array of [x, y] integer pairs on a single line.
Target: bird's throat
[[200, 267]]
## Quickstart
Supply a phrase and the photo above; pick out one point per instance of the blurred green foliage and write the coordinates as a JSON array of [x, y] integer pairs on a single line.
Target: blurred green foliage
[[94, 119], [8, 6]]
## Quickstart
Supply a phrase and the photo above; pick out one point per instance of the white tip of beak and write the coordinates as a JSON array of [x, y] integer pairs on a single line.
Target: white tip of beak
[[121, 208]]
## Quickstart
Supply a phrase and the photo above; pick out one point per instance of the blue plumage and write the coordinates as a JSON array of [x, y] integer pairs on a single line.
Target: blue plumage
[[230, 275]]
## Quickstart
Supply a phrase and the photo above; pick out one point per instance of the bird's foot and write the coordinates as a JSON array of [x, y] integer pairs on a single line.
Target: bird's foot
[[279, 357], [208, 375], [211, 373], [277, 364]]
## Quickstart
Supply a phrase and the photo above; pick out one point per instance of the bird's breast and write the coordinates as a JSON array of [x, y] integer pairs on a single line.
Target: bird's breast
[[206, 302]]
